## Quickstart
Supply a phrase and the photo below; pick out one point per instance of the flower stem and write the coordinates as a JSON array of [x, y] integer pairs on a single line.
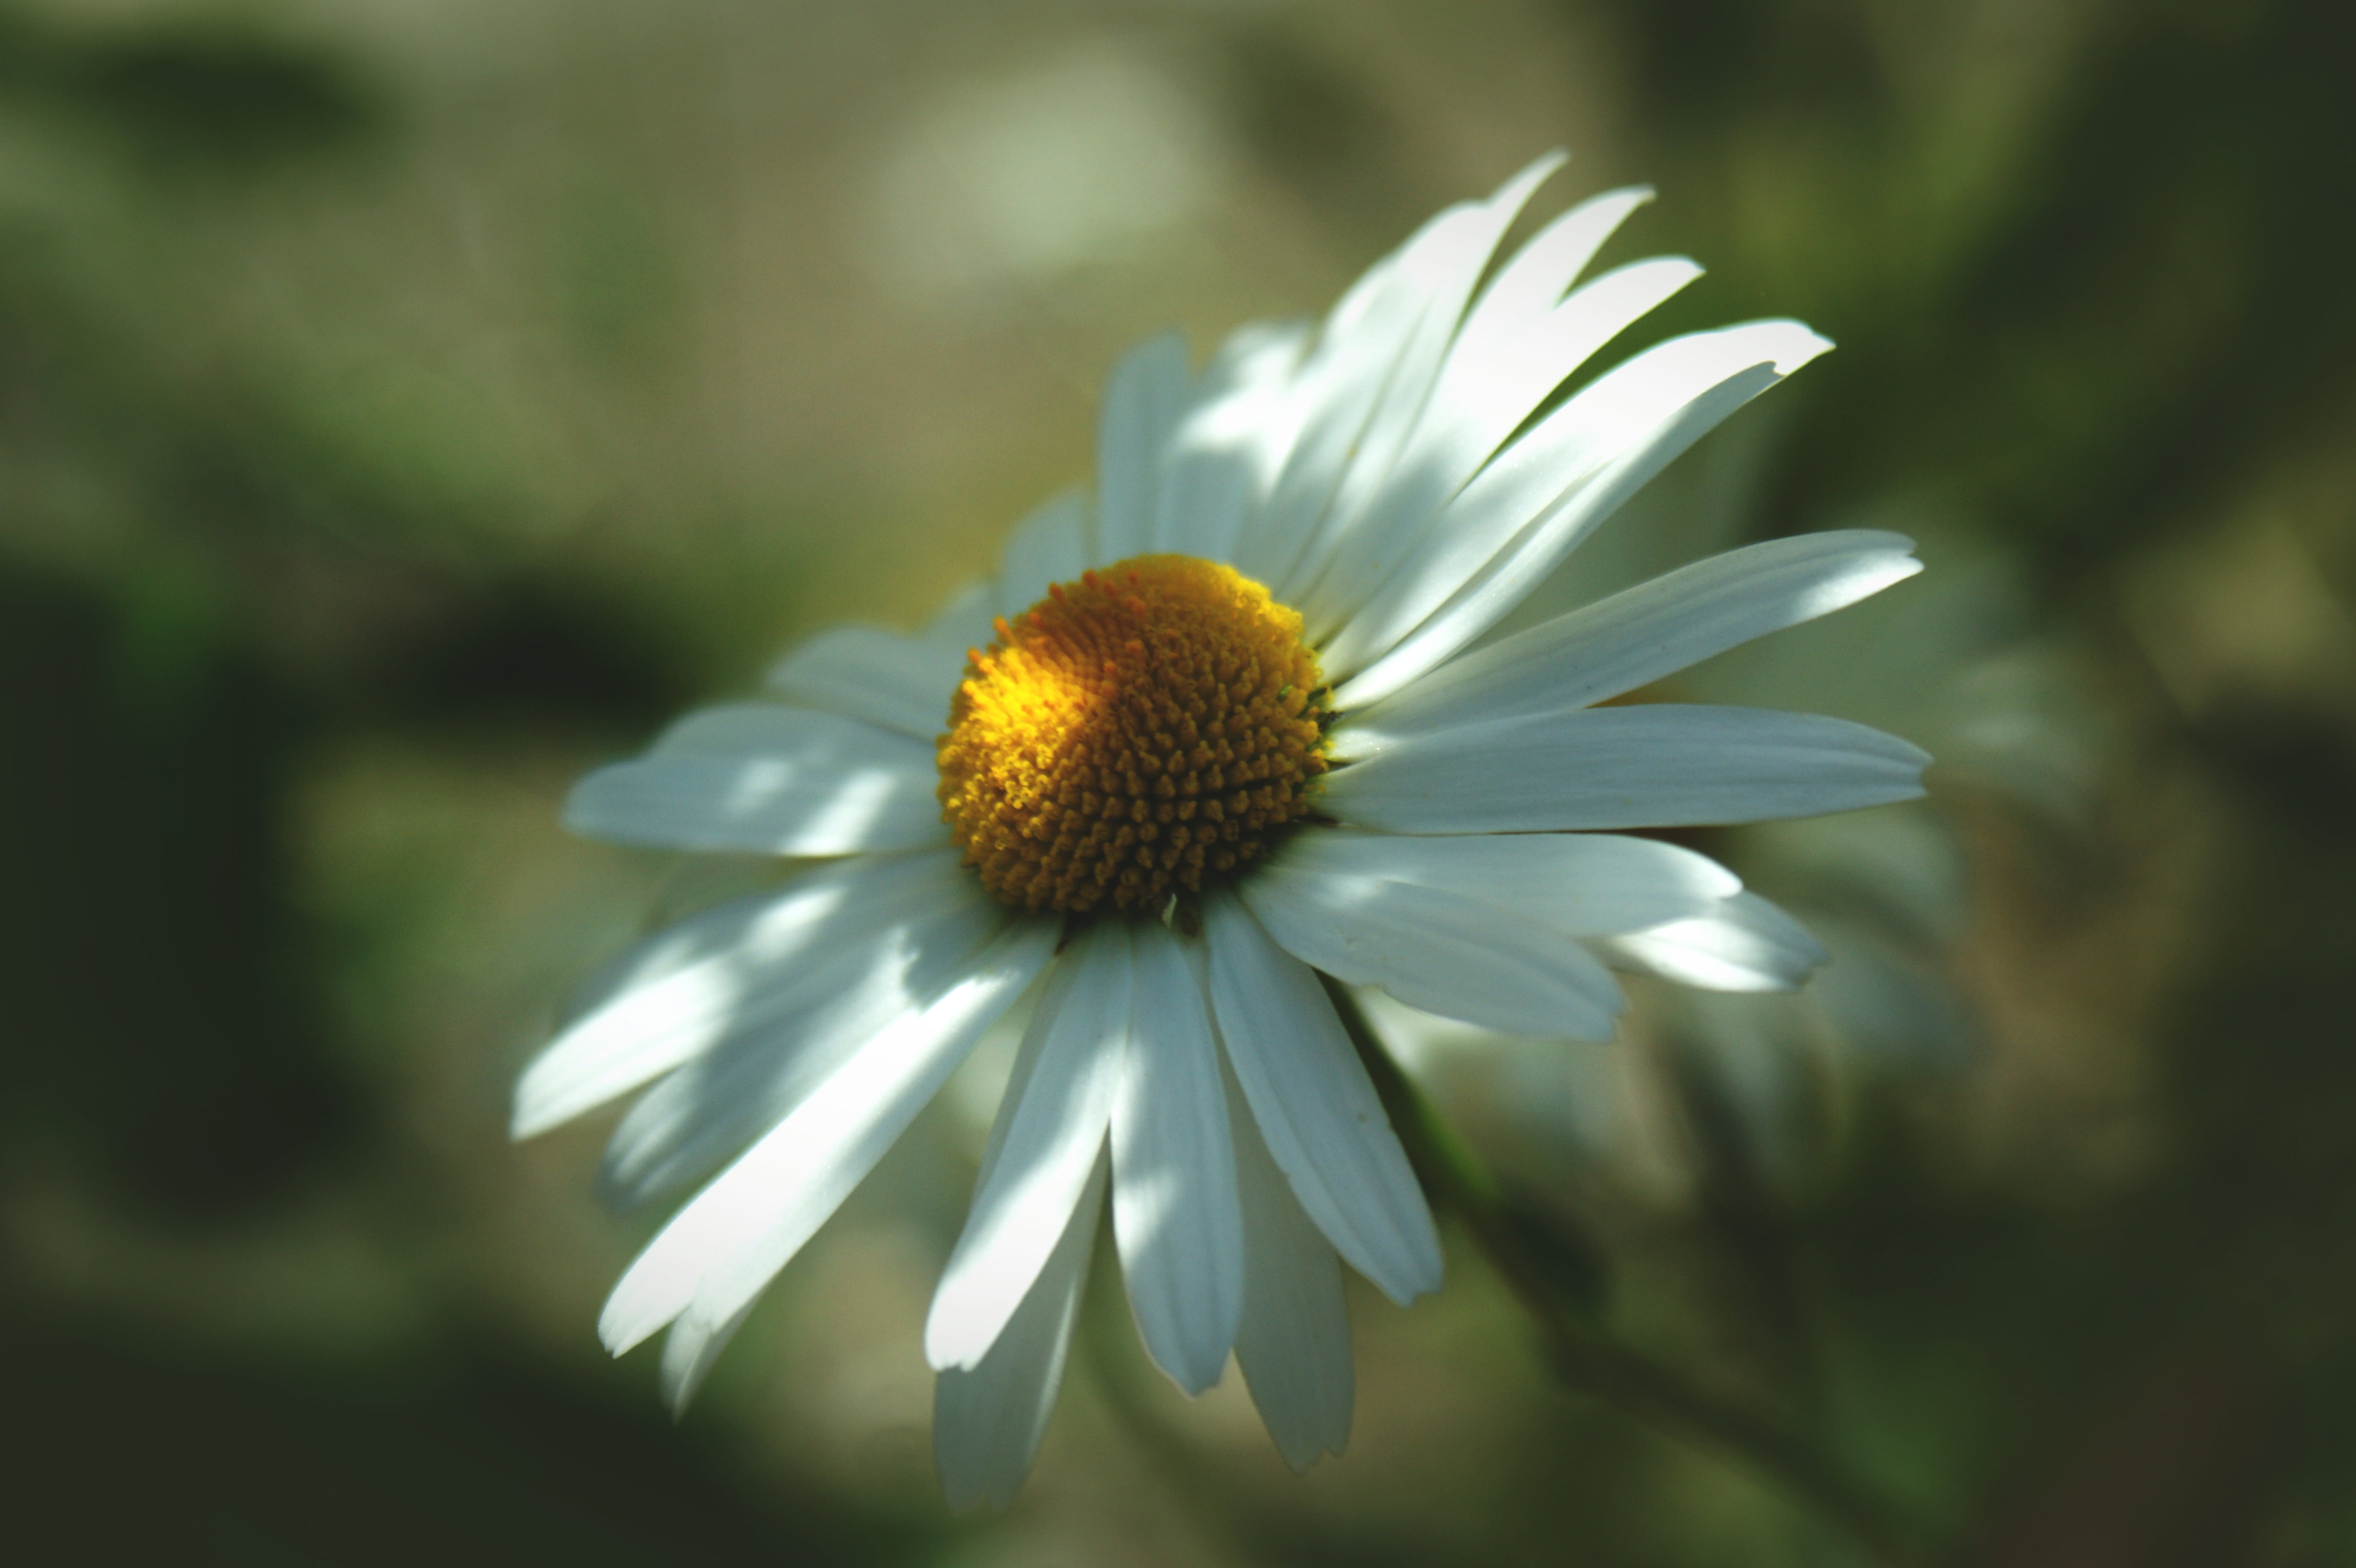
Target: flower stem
[[1582, 1352]]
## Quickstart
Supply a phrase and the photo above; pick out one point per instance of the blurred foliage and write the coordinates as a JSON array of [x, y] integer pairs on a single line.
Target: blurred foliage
[[403, 406], [186, 97]]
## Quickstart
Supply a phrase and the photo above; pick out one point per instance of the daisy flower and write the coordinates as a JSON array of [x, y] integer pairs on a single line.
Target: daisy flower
[[1217, 739]]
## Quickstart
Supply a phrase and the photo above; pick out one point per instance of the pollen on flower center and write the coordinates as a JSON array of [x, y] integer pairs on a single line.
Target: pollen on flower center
[[1150, 729]]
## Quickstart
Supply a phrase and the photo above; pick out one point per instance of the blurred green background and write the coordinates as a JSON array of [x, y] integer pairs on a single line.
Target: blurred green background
[[405, 403]]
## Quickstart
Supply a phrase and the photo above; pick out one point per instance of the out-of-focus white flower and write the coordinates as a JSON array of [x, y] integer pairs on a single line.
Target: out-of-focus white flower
[[1090, 157], [1211, 734]]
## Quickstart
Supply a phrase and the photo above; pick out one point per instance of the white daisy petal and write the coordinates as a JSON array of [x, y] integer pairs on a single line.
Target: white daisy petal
[[1226, 454], [761, 779], [1746, 944], [1638, 636], [1436, 271], [1439, 952], [1142, 403], [987, 1422], [778, 1053], [729, 968], [1582, 885], [1315, 1107], [1294, 1340], [1512, 525], [1533, 281], [866, 672], [1328, 400], [1488, 388], [1363, 335], [1051, 545], [1495, 378], [719, 1250], [1359, 348], [590, 1062], [1661, 765], [1051, 1126], [656, 957], [1173, 1171]]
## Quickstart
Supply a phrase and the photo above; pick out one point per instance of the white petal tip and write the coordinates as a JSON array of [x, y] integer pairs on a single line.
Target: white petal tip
[[1406, 1291], [950, 1346], [579, 808], [1797, 345], [1190, 1374], [1300, 1459], [623, 1330], [1910, 788], [590, 811], [1544, 165], [538, 1109], [1192, 1382]]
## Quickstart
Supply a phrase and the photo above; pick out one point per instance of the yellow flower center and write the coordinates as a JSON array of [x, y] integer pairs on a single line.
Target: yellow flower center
[[1151, 729]]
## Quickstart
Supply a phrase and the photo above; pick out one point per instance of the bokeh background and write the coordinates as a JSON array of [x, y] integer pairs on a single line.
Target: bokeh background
[[406, 404]]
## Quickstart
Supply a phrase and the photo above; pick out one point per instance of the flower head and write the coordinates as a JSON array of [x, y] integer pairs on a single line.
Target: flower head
[[1149, 730], [1218, 736]]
